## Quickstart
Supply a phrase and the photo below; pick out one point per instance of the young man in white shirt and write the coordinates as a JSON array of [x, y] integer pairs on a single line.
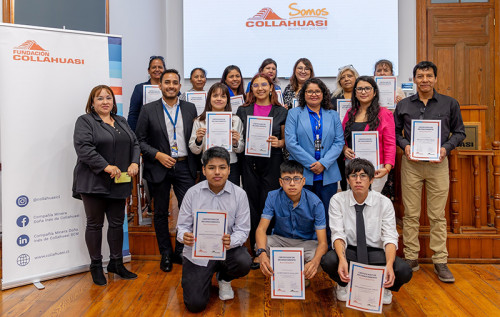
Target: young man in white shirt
[[215, 193], [360, 212]]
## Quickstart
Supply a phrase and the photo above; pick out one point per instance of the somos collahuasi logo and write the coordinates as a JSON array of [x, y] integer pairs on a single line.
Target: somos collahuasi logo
[[30, 51], [298, 18]]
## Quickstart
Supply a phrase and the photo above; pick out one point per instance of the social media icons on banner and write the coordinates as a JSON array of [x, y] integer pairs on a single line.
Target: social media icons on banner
[[22, 221], [22, 201]]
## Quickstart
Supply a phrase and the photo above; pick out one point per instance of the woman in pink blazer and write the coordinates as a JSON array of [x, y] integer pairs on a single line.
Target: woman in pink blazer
[[367, 115]]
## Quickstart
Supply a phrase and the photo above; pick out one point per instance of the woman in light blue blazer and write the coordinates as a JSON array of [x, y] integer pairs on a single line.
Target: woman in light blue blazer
[[315, 138]]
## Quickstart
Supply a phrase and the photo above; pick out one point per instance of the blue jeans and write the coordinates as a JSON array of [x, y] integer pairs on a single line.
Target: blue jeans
[[325, 193]]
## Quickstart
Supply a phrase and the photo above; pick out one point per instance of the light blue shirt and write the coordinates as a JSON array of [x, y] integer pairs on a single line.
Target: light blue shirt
[[231, 198]]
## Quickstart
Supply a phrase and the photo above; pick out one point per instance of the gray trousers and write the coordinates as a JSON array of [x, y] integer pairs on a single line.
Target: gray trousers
[[276, 241]]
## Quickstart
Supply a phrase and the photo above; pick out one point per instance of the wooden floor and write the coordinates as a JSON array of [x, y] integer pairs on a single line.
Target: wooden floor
[[155, 293]]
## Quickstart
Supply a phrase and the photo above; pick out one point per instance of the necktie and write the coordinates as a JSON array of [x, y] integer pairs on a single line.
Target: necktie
[[361, 249]]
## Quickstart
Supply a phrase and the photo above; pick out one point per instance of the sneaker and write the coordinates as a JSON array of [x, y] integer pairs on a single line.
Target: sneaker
[[413, 264], [341, 292], [225, 290], [443, 272], [387, 297]]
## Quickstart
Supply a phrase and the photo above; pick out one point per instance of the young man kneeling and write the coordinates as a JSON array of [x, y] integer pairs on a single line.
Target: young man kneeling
[[300, 221], [215, 193], [363, 228]]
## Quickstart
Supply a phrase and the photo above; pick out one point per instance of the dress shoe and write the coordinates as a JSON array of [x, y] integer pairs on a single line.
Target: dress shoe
[[116, 266], [443, 272], [165, 263]]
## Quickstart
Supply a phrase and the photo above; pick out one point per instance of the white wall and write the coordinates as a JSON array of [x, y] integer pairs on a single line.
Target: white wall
[[156, 29]]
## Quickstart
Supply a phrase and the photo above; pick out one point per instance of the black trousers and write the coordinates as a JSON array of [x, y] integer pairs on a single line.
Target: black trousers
[[95, 209], [180, 177], [196, 280], [260, 176], [402, 271]]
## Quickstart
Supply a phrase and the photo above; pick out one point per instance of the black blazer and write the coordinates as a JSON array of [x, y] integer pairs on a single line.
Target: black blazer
[[94, 143], [152, 134], [278, 113]]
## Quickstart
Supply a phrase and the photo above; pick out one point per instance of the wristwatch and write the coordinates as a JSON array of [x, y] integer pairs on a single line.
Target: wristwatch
[[259, 252]]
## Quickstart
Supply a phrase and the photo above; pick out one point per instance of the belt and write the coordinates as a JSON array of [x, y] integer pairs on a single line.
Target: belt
[[182, 158]]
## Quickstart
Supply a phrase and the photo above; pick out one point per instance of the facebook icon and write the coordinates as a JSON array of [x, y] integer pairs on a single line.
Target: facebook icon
[[23, 221]]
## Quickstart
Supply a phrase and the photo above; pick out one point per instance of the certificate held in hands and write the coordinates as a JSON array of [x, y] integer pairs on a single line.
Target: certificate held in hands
[[343, 105], [150, 93], [259, 129], [236, 102], [198, 98], [387, 91], [219, 125], [209, 228], [425, 144], [365, 145], [287, 281], [365, 287]]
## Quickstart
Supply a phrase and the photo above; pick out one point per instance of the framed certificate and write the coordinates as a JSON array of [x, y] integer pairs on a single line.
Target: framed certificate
[[150, 93], [343, 105], [287, 281], [219, 125], [209, 228], [425, 143], [198, 98], [366, 287], [387, 91], [259, 129], [280, 96], [365, 145], [295, 103], [236, 102]]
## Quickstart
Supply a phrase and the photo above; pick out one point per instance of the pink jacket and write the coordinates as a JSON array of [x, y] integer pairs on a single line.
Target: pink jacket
[[386, 134]]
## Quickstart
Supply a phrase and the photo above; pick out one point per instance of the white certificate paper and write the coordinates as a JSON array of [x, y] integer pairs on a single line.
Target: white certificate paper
[[387, 91], [209, 228], [366, 287], [287, 281], [259, 129], [236, 102], [219, 125], [365, 145], [343, 105], [280, 96], [198, 98], [295, 103], [425, 144], [150, 93]]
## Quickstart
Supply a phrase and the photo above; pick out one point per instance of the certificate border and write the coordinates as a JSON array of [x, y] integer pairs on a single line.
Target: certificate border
[[247, 152], [367, 267], [188, 93], [144, 88], [279, 93], [195, 233], [395, 88], [377, 145], [302, 286], [339, 101], [219, 113], [412, 141]]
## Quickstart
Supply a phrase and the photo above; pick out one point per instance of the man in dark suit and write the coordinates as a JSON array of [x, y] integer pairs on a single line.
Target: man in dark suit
[[163, 130]]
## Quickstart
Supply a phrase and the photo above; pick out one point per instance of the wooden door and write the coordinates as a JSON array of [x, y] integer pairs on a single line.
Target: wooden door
[[460, 40]]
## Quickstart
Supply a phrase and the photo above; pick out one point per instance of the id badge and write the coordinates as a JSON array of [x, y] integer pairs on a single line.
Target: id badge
[[174, 151]]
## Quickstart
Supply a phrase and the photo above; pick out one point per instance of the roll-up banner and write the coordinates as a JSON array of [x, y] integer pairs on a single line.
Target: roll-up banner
[[45, 80]]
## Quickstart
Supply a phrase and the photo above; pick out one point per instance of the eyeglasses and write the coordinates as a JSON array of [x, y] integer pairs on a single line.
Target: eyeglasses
[[303, 69], [365, 89], [156, 57], [288, 180], [346, 66], [261, 85], [314, 92], [362, 176]]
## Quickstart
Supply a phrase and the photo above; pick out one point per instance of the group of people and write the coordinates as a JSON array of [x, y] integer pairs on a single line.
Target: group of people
[[289, 199]]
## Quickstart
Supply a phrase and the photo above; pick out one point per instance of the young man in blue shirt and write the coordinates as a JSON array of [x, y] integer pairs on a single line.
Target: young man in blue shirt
[[300, 221]]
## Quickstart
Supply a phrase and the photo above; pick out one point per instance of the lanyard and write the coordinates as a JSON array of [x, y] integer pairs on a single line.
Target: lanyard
[[172, 121]]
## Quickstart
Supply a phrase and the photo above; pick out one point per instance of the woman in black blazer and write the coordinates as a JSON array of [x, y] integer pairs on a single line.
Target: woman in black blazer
[[105, 146], [261, 174]]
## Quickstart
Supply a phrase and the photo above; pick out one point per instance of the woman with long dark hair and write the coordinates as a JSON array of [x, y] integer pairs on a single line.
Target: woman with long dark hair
[[302, 71], [269, 67], [261, 174], [367, 115], [234, 80], [218, 100]]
